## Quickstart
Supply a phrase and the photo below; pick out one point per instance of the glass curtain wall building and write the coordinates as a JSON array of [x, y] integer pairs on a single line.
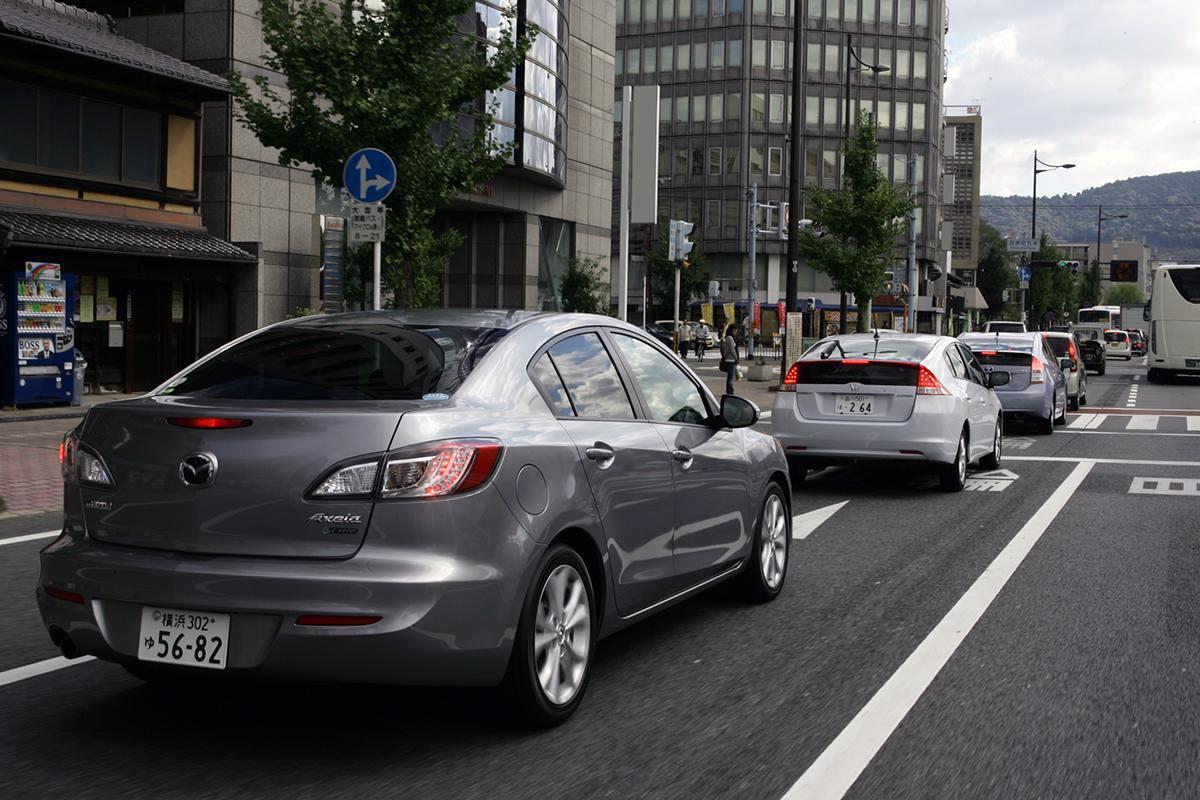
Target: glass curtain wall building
[[725, 71]]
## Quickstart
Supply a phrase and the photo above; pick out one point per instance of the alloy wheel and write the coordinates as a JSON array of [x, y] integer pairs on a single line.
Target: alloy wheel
[[562, 635], [962, 459], [773, 546]]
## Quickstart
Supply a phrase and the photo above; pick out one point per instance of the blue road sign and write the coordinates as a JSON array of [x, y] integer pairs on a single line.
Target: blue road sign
[[369, 175], [1024, 273]]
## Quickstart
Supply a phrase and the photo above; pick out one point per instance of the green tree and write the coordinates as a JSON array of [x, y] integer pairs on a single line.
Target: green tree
[[1089, 287], [1120, 294], [584, 287], [995, 272], [393, 74], [1052, 288], [859, 224], [692, 281]]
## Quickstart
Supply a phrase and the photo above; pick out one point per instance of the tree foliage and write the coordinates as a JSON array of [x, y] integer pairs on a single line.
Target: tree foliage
[[392, 74], [1121, 294], [584, 287], [1089, 287], [692, 282], [995, 272], [859, 225], [1052, 288]]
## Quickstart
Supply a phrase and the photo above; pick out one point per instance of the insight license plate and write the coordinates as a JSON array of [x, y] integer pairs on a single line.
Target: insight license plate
[[862, 405], [1192, 363], [186, 638]]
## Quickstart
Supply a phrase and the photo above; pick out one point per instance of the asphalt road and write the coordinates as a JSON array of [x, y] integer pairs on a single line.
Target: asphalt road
[[1037, 636]]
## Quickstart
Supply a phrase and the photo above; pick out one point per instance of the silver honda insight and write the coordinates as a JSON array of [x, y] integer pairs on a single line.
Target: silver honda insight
[[429, 498]]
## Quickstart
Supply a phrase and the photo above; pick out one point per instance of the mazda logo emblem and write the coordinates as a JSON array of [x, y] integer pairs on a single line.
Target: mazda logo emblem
[[198, 470]]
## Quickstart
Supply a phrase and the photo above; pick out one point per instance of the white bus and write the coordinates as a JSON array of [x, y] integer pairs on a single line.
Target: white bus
[[1103, 317], [1174, 321]]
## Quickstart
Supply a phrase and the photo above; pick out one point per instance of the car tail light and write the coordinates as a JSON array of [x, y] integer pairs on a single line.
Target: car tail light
[[337, 620], [1036, 374], [856, 361], [928, 384], [78, 463], [209, 423], [355, 479], [64, 595], [987, 352], [451, 467], [791, 378]]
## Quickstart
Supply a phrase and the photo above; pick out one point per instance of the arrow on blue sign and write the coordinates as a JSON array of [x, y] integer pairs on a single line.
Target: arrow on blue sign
[[369, 175], [1024, 273]]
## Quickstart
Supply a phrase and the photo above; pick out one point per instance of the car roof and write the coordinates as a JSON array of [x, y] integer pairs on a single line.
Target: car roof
[[451, 317], [1012, 338]]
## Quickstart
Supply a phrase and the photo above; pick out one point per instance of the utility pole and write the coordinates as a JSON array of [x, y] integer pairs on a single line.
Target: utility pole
[[912, 250], [626, 136], [796, 166], [750, 293]]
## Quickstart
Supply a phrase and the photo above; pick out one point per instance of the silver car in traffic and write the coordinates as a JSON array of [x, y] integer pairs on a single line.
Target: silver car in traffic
[[1037, 387], [443, 497], [892, 397]]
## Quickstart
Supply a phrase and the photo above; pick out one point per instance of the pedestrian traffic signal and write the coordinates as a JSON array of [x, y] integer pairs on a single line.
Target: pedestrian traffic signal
[[679, 246]]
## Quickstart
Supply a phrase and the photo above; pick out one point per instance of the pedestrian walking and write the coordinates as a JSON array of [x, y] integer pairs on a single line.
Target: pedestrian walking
[[729, 358], [702, 333], [684, 332]]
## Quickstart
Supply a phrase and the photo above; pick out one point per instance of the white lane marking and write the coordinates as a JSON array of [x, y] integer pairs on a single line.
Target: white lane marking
[[1139, 433], [1146, 422], [40, 668], [839, 766], [764, 416], [1068, 460], [1081, 421], [996, 480], [1095, 422], [809, 521], [1184, 487], [29, 537], [1018, 443], [1193, 423]]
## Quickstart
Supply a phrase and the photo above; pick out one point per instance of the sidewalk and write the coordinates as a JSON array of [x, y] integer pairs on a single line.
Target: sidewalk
[[10, 414]]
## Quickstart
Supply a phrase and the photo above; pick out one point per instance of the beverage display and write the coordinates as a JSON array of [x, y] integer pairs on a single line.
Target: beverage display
[[41, 306]]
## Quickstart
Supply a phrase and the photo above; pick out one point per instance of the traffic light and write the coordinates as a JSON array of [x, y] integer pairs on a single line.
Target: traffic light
[[810, 305], [679, 246], [1072, 265]]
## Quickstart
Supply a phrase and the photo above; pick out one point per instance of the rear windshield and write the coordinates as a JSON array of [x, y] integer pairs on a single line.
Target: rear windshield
[[872, 373], [889, 349], [1060, 346], [1187, 283], [348, 362], [1094, 316], [1116, 336], [1006, 327], [1004, 358]]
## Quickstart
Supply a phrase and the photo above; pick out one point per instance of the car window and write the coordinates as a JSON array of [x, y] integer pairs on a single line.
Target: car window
[[547, 377], [886, 349], [1060, 345], [973, 365], [670, 395], [956, 363], [593, 383]]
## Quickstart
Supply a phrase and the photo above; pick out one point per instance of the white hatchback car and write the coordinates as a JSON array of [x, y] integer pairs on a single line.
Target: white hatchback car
[[901, 397], [1117, 344]]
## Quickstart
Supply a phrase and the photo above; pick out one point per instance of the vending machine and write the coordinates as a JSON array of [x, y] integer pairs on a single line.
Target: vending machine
[[37, 336]]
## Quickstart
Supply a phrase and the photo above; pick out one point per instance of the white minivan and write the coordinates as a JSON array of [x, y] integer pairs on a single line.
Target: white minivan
[[1003, 326], [1174, 317]]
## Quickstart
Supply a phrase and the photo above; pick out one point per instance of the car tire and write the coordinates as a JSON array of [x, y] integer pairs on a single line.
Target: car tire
[[528, 689], [765, 572], [1045, 425], [1073, 403], [798, 470], [1102, 369], [992, 460], [1061, 419], [953, 476], [1154, 375]]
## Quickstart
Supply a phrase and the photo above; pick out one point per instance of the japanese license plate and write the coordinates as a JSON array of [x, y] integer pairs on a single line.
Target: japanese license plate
[[855, 404], [1192, 363], [186, 638]]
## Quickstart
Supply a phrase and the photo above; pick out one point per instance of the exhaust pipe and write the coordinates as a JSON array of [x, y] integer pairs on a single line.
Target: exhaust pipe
[[63, 642]]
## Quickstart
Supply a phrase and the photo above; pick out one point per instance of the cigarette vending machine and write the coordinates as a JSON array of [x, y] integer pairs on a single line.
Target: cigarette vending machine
[[37, 336]]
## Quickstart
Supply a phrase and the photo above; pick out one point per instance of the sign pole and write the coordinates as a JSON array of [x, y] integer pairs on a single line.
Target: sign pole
[[378, 270], [626, 151]]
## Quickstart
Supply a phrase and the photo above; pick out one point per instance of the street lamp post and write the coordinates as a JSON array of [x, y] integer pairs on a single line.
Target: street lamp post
[[1045, 167], [851, 58], [1100, 220], [797, 164]]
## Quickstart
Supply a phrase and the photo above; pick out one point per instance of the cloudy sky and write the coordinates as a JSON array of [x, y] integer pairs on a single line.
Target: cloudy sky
[[1111, 85]]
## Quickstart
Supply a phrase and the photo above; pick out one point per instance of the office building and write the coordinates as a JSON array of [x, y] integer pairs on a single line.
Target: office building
[[962, 156]]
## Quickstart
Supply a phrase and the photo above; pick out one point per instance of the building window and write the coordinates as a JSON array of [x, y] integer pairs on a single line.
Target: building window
[[868, 12], [620, 68], [701, 8], [814, 9], [733, 109], [683, 9], [682, 53], [758, 110], [716, 55], [756, 159], [885, 11], [833, 10], [681, 108], [699, 112], [902, 70], [779, 8], [759, 53], [681, 161], [731, 160], [918, 118], [651, 13], [731, 214], [920, 65], [900, 168], [699, 55], [919, 166], [718, 8], [714, 161], [649, 61], [621, 11], [922, 16], [712, 213], [557, 247], [698, 162], [775, 161], [830, 166], [101, 140], [666, 58], [901, 117], [735, 53], [812, 166], [904, 13], [777, 109], [812, 59], [833, 120], [633, 60], [664, 110], [833, 60], [812, 112], [852, 11], [885, 57], [882, 162], [635, 11], [716, 107], [778, 55], [885, 115]]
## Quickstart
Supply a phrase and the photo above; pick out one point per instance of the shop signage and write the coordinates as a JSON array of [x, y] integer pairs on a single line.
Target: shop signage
[[43, 271]]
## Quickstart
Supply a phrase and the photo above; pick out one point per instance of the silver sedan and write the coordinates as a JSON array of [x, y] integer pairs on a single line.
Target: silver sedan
[[423, 498], [890, 397]]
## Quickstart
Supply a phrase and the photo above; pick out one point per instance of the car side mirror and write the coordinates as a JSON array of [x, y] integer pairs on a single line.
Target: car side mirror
[[1066, 364], [995, 379], [738, 412]]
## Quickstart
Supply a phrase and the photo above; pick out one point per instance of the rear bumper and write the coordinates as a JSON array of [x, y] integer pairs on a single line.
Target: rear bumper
[[446, 620], [1026, 403], [930, 434]]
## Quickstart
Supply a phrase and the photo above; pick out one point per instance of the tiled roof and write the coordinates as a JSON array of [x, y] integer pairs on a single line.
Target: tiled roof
[[117, 236], [92, 35]]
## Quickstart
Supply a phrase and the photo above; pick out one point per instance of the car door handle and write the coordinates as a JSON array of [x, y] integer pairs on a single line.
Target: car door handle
[[602, 454], [683, 456]]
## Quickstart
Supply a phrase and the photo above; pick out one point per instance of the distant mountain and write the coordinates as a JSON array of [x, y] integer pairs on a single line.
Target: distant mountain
[[1173, 232]]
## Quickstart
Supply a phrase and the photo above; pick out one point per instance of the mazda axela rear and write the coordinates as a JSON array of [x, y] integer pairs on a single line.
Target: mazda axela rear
[[856, 397], [317, 500]]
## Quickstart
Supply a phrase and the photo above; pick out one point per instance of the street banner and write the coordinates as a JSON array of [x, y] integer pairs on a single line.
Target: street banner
[[706, 313], [730, 318], [757, 316]]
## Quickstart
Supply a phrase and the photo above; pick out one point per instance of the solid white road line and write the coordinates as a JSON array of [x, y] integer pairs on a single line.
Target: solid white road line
[[836, 769], [40, 668], [1138, 433], [1145, 422], [809, 521], [1067, 460], [29, 537]]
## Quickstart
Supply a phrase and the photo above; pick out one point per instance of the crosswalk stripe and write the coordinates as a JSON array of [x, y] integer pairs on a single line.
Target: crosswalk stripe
[[1096, 422], [1146, 422], [1082, 421], [1193, 423]]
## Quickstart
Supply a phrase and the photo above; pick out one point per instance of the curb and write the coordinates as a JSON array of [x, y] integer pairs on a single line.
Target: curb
[[39, 417]]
